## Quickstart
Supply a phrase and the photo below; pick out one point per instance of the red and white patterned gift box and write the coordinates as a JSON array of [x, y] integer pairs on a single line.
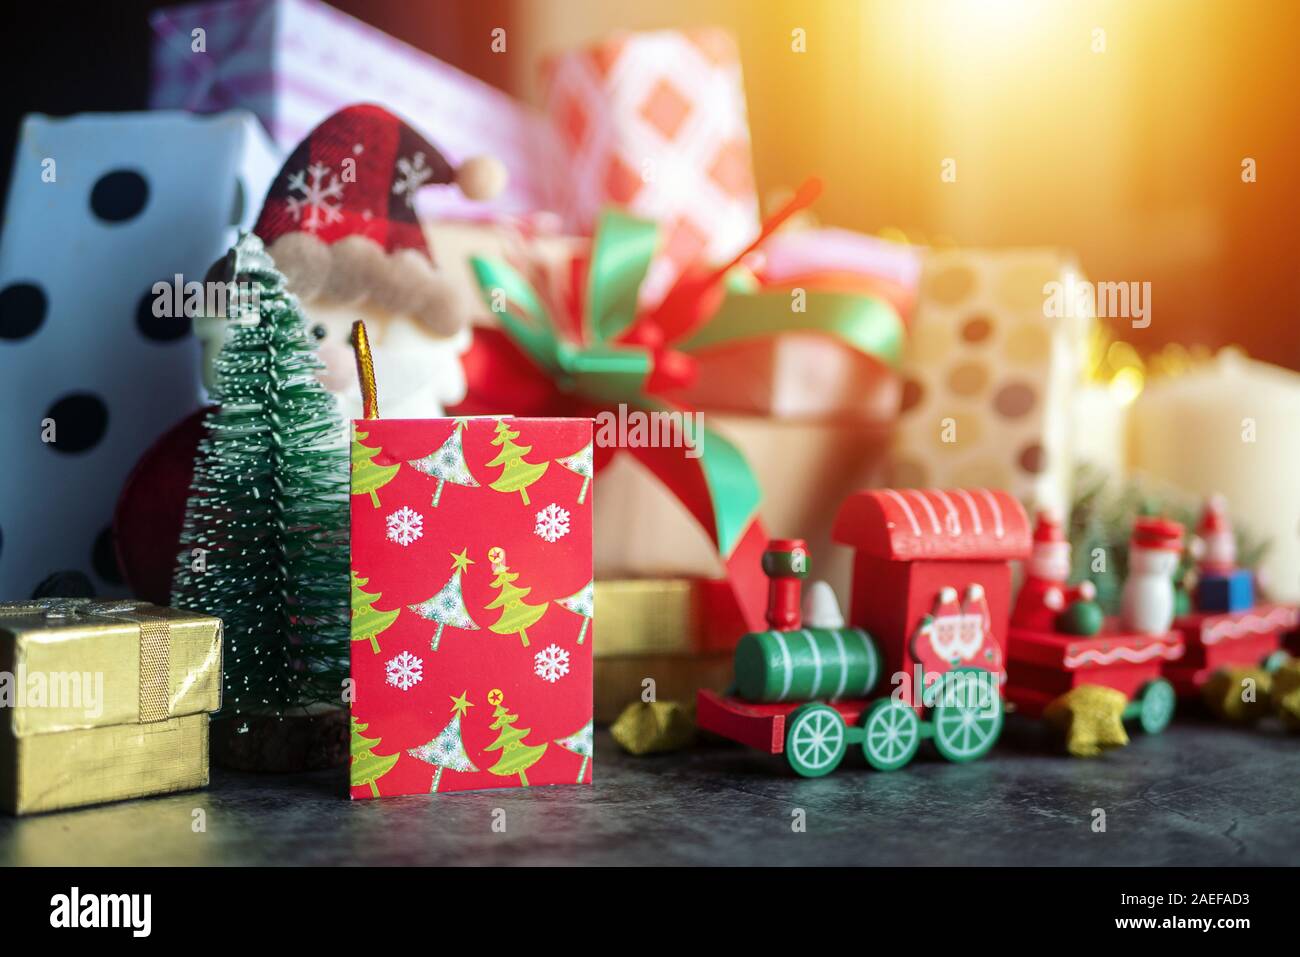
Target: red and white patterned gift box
[[655, 123], [471, 604]]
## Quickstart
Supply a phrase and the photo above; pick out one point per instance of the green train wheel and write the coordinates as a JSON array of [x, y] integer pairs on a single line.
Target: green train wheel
[[1275, 661], [1158, 705], [891, 735], [814, 740], [967, 725]]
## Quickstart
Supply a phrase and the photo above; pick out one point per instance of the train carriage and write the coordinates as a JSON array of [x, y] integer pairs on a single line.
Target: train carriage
[[1046, 665], [1229, 639], [1059, 640], [1227, 627]]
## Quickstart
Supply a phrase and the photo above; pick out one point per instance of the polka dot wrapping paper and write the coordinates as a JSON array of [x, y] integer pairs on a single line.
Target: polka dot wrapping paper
[[472, 604], [101, 207], [989, 379]]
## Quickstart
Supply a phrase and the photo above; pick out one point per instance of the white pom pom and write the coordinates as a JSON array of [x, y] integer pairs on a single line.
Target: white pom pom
[[481, 177]]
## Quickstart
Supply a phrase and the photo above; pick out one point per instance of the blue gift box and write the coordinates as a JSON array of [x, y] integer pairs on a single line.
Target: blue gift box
[[1234, 591]]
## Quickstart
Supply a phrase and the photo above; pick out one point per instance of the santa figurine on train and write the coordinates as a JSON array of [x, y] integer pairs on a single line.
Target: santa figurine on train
[[1045, 594], [958, 631], [1215, 544]]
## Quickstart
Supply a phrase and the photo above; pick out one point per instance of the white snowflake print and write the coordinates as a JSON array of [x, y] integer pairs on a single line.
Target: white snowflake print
[[551, 663], [552, 523], [320, 198], [405, 526], [412, 173], [405, 671]]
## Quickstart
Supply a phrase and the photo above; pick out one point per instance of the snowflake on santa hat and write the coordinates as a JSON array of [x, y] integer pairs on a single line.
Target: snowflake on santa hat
[[405, 526], [411, 174], [319, 199], [552, 523]]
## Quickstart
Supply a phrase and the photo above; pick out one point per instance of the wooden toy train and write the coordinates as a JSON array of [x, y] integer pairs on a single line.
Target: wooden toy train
[[930, 606], [930, 600]]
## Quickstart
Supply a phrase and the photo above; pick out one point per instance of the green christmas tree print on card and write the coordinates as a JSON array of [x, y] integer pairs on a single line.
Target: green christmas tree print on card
[[368, 767], [516, 614], [367, 477], [516, 756], [582, 463], [447, 608], [581, 603], [447, 464], [580, 743], [446, 752], [367, 622], [516, 472]]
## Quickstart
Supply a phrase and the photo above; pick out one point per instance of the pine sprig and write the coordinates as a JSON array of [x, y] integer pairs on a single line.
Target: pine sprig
[[268, 505]]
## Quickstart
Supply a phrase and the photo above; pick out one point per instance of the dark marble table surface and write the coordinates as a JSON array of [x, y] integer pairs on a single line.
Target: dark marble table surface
[[1200, 794]]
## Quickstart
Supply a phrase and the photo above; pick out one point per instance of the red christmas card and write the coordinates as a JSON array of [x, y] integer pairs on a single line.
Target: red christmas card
[[471, 604]]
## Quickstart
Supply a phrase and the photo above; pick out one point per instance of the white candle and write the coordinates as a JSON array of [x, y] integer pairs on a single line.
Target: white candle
[[1231, 426], [1100, 421]]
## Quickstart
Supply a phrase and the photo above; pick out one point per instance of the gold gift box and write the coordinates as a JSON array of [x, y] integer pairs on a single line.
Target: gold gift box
[[622, 680], [664, 616], [114, 763], [664, 629], [103, 701], [641, 616]]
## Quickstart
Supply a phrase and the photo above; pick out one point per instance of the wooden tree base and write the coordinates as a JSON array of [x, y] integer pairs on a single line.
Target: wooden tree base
[[311, 739]]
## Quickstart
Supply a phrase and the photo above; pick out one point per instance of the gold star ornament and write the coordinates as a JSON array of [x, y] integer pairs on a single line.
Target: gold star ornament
[[1091, 717]]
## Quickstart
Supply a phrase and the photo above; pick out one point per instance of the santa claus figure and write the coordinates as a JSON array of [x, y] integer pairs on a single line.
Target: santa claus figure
[[339, 221], [1045, 593], [958, 632], [1215, 545]]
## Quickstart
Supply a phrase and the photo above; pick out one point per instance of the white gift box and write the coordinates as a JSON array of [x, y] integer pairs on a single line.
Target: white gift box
[[102, 207]]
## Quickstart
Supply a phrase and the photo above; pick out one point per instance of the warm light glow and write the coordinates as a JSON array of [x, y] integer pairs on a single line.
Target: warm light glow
[[1127, 385]]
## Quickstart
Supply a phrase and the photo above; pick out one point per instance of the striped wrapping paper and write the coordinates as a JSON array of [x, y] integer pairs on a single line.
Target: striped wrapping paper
[[295, 62]]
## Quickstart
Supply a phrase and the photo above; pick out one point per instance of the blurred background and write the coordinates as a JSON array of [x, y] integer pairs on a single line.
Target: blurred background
[[1114, 129]]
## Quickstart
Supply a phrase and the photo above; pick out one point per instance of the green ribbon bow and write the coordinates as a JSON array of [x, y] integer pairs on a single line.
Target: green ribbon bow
[[606, 372]]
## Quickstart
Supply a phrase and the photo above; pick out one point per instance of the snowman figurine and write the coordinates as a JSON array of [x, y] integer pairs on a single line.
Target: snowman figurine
[[1147, 602]]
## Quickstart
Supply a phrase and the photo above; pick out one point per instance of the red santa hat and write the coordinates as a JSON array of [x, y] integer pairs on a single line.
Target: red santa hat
[[1214, 517], [339, 219], [946, 604], [1047, 529], [1157, 534]]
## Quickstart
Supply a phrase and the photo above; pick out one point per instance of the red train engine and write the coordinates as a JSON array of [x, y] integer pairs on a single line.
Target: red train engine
[[932, 576], [930, 601]]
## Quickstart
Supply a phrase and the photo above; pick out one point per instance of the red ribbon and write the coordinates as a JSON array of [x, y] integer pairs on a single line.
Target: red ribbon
[[501, 377]]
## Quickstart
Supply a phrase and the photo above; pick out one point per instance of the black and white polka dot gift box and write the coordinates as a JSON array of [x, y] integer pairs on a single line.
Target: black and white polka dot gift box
[[93, 366]]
